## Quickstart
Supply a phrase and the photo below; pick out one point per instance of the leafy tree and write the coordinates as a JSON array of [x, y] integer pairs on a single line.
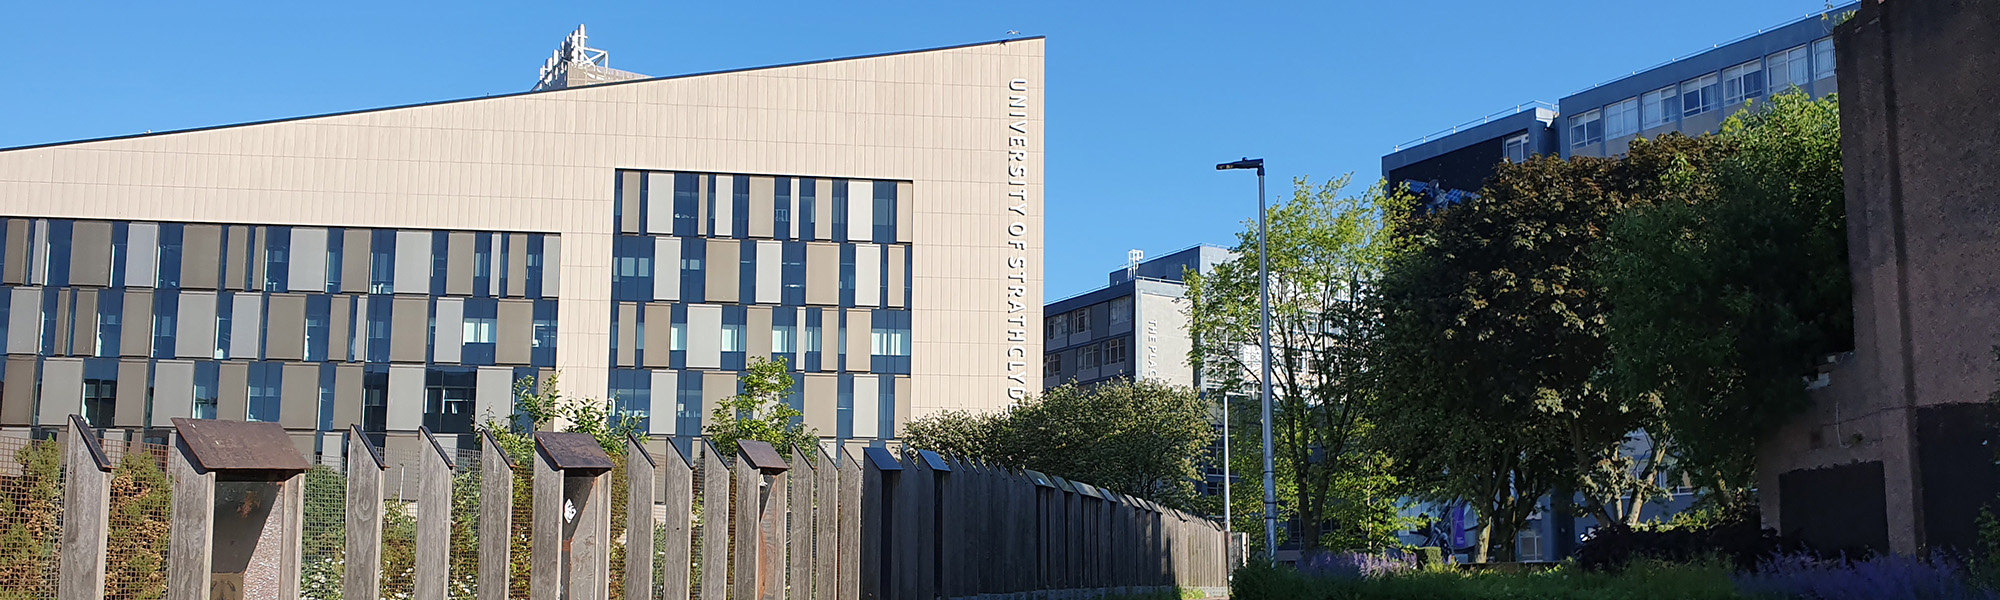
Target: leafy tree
[[1326, 254], [761, 413], [1132, 437], [1731, 283]]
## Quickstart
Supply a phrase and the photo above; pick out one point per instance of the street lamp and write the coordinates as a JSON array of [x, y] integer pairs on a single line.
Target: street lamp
[[1264, 361]]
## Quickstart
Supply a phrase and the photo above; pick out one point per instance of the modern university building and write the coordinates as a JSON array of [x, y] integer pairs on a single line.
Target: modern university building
[[875, 221]]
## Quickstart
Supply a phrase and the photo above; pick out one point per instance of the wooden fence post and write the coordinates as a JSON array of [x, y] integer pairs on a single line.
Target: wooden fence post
[[496, 516], [433, 559], [714, 524], [826, 527], [800, 528], [572, 484], [878, 524], [639, 491], [86, 513], [364, 516], [760, 521], [678, 504], [850, 526]]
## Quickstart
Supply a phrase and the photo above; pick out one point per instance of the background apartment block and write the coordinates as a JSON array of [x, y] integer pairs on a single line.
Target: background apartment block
[[644, 238]]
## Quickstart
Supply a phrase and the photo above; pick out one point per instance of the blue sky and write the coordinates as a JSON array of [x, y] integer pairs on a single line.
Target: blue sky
[[1142, 98]]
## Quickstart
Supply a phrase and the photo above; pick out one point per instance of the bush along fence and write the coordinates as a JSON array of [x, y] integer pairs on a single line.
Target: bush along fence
[[251, 518]]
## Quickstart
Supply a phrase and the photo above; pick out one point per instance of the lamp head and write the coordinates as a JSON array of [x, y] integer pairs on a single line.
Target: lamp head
[[1247, 163]]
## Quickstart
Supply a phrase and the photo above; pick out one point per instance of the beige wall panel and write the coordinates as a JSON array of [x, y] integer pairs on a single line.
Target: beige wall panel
[[339, 328], [285, 338], [201, 256], [448, 330], [858, 331], [408, 325], [142, 253], [903, 401], [246, 326], [704, 336], [867, 414], [90, 253], [346, 396], [867, 275], [236, 256], [63, 329], [659, 333], [354, 258], [62, 390], [522, 163], [173, 391], [823, 209], [406, 398], [725, 264], [898, 267], [134, 380], [628, 333], [18, 242], [659, 203], [770, 271], [823, 274], [515, 339], [413, 262], [83, 333], [307, 262], [136, 330], [232, 394], [298, 402], [714, 387], [629, 202], [194, 333], [822, 403], [664, 418], [757, 332], [762, 216], [17, 397], [666, 268], [905, 203], [458, 264], [517, 265]]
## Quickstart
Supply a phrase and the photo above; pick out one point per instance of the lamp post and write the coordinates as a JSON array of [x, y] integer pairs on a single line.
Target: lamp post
[[1264, 360]]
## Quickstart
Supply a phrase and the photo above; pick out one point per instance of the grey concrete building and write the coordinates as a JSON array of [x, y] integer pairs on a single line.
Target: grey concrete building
[[876, 221], [1135, 327]]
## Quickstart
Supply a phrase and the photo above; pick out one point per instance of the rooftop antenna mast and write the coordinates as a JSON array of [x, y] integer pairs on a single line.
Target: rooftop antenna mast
[[574, 51]]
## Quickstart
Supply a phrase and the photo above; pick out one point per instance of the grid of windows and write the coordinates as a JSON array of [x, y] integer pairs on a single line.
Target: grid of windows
[[1622, 118], [1742, 82], [1660, 107], [266, 323], [1788, 68], [709, 270], [1586, 129], [1700, 95]]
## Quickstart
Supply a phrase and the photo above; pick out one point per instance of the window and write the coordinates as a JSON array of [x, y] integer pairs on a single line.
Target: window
[[110, 316], [1058, 326], [207, 384], [792, 274], [319, 310], [687, 199], [100, 391], [479, 330], [379, 311], [170, 256], [1788, 68], [1086, 357], [885, 211], [732, 336], [784, 339], [847, 274], [277, 258], [1080, 321], [1517, 148], [1052, 364], [839, 210], [1699, 95], [265, 378], [543, 353], [1586, 129], [1742, 82], [382, 262], [1622, 118], [806, 193], [1121, 311], [781, 208], [1822, 58], [1659, 107], [1114, 351], [448, 398]]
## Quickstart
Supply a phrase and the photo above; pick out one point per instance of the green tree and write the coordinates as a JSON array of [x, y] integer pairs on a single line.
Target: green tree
[[1326, 252], [761, 413], [1731, 282], [1133, 437]]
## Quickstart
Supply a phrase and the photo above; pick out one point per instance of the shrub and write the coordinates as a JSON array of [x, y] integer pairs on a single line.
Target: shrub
[[1811, 578], [1739, 538]]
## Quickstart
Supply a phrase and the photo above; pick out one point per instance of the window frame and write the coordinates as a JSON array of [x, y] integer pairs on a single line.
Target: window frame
[[1822, 58], [1625, 110], [1743, 81], [1581, 125], [1706, 88]]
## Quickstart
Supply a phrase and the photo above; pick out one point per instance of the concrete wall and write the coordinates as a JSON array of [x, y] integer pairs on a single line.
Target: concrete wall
[[1922, 166]]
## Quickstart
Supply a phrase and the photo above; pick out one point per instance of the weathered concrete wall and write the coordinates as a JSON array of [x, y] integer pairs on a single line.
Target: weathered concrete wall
[[1922, 165]]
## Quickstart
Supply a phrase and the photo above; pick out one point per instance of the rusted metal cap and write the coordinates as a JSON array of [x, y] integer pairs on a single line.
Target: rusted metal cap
[[575, 453], [761, 456], [241, 449]]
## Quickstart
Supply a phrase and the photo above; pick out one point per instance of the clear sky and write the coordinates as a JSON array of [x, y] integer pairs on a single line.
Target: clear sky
[[1142, 98]]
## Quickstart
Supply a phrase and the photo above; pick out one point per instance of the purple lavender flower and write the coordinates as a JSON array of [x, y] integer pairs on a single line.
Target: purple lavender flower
[[1353, 565], [1806, 577]]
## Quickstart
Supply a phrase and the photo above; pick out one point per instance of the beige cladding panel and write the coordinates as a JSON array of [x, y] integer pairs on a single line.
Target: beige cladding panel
[[858, 332], [136, 335], [757, 331], [354, 260], [659, 332], [724, 265], [16, 257], [284, 337], [299, 399], [715, 386], [763, 193], [232, 399], [526, 163], [823, 274], [17, 392], [90, 253], [822, 403], [131, 408], [201, 256], [458, 263]]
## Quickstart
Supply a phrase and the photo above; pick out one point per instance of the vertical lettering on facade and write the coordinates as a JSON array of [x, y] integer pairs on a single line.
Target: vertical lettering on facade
[[1152, 346], [1015, 208]]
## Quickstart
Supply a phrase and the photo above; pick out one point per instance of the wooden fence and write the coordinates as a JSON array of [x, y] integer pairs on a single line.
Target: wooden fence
[[825, 525]]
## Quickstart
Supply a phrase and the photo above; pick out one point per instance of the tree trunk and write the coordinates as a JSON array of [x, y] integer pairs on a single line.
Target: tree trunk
[[1485, 538]]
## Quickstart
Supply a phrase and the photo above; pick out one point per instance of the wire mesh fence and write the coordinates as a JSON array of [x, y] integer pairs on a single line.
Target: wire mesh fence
[[464, 567], [30, 517], [140, 522], [519, 539], [323, 557]]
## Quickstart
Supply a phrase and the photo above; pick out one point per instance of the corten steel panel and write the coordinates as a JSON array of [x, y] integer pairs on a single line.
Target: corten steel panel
[[90, 253], [232, 398], [24, 321], [299, 400], [823, 273], [236, 256], [459, 263], [409, 325], [347, 395], [201, 257], [195, 326], [131, 410], [142, 249], [173, 391], [285, 336], [307, 261], [724, 268], [516, 336], [448, 331], [757, 331], [220, 445], [628, 333], [355, 260], [762, 218], [83, 332], [506, 183], [16, 259], [659, 334]]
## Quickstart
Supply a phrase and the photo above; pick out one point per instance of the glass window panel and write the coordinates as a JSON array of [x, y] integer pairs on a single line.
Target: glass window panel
[[1822, 58]]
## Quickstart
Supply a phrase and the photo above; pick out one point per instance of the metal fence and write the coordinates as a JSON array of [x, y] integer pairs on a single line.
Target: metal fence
[[141, 512], [31, 508]]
